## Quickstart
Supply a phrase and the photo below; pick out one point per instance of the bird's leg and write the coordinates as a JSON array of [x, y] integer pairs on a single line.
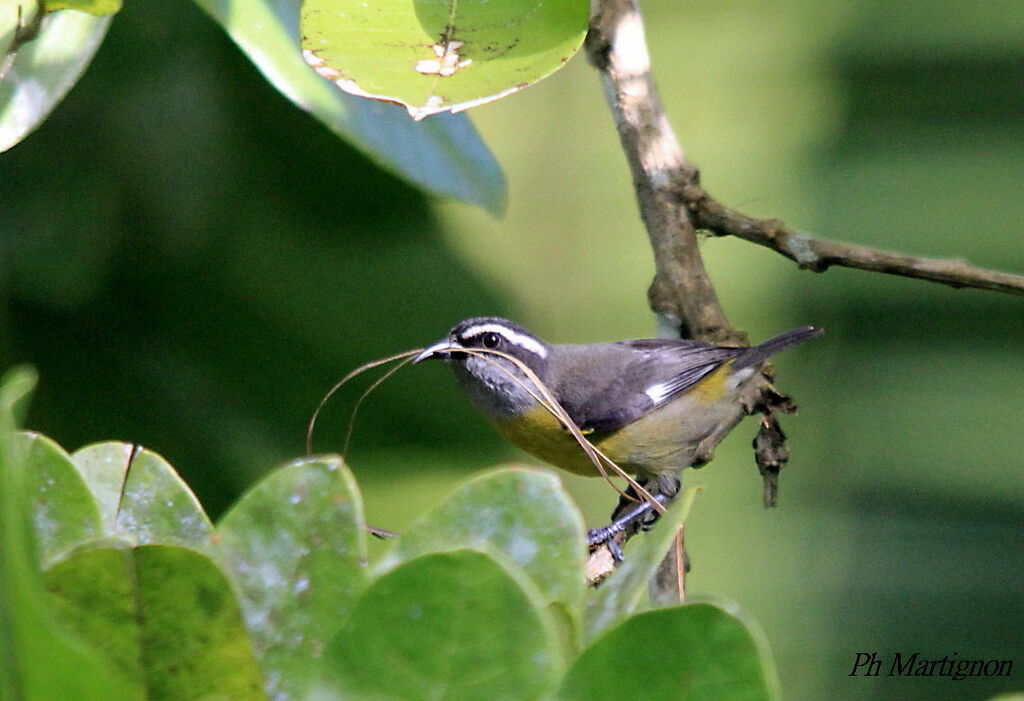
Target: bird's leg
[[626, 523], [632, 514]]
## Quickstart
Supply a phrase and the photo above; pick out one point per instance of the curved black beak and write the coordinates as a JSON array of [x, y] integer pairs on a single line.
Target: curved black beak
[[442, 350]]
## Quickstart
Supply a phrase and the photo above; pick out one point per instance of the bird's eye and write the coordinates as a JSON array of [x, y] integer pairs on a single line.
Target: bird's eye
[[491, 340]]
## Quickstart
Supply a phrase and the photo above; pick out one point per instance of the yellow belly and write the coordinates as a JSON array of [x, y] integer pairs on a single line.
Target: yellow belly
[[665, 439]]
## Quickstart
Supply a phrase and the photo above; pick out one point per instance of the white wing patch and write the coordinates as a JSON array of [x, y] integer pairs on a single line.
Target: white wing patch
[[522, 340], [686, 380], [658, 392]]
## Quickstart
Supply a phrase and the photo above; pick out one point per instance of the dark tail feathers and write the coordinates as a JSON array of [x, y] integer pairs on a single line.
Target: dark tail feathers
[[763, 351]]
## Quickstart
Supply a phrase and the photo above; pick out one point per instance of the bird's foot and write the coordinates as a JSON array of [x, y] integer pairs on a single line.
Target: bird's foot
[[596, 537]]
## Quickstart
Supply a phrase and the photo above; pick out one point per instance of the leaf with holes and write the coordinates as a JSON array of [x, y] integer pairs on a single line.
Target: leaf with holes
[[440, 55]]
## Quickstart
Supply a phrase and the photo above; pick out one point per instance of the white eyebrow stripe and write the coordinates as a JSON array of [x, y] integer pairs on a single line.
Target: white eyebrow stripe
[[522, 340]]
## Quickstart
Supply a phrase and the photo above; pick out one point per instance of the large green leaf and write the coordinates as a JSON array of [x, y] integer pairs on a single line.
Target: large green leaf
[[64, 512], [624, 591], [295, 545], [444, 156], [165, 616], [524, 514], [697, 653], [439, 55], [38, 659], [453, 626], [141, 497], [42, 70]]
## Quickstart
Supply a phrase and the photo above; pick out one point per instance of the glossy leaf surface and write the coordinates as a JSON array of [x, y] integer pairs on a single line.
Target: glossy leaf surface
[[439, 55], [64, 512], [141, 497], [446, 627], [165, 616], [697, 652], [296, 547], [444, 156], [524, 514], [40, 73], [39, 659]]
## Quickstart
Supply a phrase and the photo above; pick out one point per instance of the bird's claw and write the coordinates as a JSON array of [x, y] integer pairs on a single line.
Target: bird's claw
[[596, 537]]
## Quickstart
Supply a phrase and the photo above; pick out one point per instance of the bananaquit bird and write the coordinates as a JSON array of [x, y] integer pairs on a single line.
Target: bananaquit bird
[[648, 404]]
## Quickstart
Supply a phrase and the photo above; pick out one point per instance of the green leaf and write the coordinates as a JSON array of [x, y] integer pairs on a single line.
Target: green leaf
[[444, 157], [38, 659], [42, 70], [696, 652], [454, 626], [295, 546], [523, 514], [64, 513], [93, 7], [433, 56], [621, 594], [164, 616], [18, 383], [141, 497]]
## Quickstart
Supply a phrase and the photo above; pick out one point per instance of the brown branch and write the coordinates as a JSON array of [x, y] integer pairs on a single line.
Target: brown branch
[[673, 206], [681, 294], [819, 255]]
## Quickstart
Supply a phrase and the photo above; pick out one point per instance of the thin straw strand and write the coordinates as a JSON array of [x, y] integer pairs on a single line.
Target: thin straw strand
[[555, 408], [338, 385], [359, 402]]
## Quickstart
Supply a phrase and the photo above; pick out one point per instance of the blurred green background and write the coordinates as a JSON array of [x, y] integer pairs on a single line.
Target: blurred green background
[[191, 262]]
